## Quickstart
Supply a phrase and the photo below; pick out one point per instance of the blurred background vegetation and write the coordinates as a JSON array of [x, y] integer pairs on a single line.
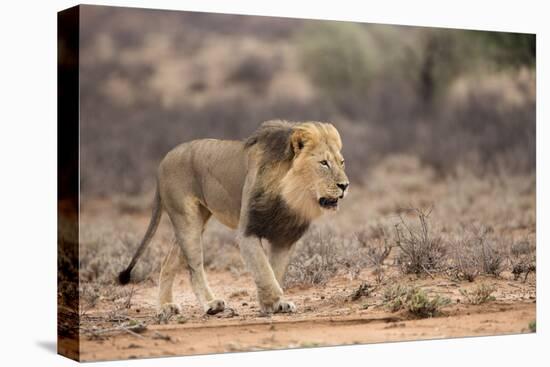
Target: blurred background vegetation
[[152, 79]]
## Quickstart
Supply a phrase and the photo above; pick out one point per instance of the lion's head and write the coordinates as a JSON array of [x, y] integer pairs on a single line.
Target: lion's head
[[316, 180], [303, 164]]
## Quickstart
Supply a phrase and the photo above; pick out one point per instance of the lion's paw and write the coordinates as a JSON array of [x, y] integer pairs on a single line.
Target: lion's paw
[[215, 306], [168, 310], [279, 307], [284, 307]]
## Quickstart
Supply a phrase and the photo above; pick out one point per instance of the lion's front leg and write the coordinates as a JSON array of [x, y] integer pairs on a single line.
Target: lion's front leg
[[270, 294], [279, 258]]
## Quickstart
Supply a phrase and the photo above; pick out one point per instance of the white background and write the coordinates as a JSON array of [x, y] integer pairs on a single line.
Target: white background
[[28, 182]]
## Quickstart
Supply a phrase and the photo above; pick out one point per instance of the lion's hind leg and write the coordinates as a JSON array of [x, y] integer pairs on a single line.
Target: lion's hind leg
[[188, 224], [173, 262]]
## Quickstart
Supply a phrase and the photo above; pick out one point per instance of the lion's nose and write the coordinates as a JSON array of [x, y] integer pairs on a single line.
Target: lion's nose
[[343, 186]]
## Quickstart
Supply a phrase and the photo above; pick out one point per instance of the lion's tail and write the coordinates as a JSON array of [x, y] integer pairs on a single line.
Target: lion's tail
[[124, 276]]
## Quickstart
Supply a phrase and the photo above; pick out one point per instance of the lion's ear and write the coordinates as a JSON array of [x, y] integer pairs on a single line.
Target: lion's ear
[[297, 140]]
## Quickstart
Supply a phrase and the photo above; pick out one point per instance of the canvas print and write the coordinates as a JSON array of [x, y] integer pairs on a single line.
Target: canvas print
[[233, 183]]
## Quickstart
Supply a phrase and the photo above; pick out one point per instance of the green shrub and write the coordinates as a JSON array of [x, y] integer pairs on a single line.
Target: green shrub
[[481, 294], [414, 300], [394, 297], [421, 305]]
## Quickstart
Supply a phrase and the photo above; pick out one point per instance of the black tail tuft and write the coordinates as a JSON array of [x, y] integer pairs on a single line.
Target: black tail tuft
[[124, 276]]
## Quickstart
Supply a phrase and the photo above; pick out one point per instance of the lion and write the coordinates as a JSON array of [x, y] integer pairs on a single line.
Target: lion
[[269, 187]]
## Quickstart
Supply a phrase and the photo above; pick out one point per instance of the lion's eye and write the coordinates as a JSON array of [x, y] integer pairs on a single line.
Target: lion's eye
[[324, 163]]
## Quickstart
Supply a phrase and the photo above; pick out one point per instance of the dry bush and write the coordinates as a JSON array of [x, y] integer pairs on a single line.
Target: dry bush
[[523, 268], [324, 252], [421, 250], [522, 258], [375, 247], [315, 259], [364, 290], [414, 300], [320, 254], [464, 258], [466, 255], [476, 251], [375, 243], [491, 255], [480, 294]]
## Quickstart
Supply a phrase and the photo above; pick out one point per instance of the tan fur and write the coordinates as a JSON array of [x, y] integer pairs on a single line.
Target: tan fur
[[209, 177]]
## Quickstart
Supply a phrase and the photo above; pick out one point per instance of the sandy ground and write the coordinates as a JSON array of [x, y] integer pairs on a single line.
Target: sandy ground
[[326, 316]]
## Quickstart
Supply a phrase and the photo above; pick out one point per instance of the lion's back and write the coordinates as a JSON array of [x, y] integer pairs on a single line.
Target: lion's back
[[212, 170]]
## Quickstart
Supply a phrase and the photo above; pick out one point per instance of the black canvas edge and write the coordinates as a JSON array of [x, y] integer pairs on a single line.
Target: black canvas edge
[[68, 320]]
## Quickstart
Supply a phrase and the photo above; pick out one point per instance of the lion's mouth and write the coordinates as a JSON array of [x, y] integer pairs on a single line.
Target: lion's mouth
[[328, 203]]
